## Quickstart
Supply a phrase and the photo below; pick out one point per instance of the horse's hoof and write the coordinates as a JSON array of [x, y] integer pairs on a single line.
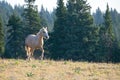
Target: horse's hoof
[[41, 58], [28, 59]]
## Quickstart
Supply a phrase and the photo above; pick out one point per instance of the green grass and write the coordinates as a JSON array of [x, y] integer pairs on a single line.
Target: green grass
[[11, 69], [29, 74]]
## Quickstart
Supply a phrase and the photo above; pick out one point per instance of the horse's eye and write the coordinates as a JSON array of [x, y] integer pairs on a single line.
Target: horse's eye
[[43, 31]]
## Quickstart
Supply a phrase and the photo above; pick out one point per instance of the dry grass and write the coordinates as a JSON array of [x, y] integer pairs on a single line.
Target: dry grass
[[11, 69]]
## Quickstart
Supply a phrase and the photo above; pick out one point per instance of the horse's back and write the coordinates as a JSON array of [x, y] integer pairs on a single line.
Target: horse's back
[[30, 40]]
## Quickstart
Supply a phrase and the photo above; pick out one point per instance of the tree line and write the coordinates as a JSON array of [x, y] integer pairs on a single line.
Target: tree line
[[76, 35]]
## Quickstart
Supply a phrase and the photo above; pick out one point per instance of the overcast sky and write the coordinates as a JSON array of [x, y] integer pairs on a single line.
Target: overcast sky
[[50, 4]]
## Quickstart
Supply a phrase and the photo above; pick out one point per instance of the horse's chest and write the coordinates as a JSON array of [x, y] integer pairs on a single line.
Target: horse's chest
[[38, 43]]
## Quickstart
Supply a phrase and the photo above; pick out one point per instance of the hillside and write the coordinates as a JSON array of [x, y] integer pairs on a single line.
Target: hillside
[[11, 69]]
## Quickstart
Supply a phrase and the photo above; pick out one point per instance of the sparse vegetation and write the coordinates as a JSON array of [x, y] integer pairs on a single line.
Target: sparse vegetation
[[11, 69], [30, 74], [77, 70]]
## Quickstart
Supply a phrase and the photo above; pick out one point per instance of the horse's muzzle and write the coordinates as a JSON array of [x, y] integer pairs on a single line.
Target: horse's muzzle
[[47, 37]]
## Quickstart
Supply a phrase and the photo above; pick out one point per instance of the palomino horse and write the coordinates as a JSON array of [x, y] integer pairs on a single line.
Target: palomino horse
[[33, 42]]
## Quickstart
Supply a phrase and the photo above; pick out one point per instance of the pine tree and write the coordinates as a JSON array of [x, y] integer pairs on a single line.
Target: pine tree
[[107, 36], [43, 16], [47, 18], [98, 17], [31, 17], [1, 38], [81, 34], [115, 20], [14, 45], [59, 34], [108, 23]]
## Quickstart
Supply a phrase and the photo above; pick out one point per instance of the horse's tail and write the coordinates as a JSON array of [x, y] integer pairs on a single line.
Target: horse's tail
[[26, 49]]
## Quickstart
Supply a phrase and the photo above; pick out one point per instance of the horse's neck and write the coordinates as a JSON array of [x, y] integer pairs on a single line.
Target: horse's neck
[[40, 39]]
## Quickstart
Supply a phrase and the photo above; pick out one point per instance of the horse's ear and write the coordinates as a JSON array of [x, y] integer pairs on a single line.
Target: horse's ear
[[46, 28]]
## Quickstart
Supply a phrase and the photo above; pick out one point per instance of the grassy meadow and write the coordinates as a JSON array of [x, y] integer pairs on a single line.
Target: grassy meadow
[[11, 69]]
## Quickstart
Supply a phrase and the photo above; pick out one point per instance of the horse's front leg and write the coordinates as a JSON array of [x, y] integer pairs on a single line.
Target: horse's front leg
[[32, 51], [42, 55]]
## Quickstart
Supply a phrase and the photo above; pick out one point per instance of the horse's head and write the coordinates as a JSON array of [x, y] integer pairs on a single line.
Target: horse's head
[[44, 32]]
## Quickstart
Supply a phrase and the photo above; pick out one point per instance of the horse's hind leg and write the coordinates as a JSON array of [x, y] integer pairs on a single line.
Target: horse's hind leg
[[26, 49], [31, 52], [28, 52]]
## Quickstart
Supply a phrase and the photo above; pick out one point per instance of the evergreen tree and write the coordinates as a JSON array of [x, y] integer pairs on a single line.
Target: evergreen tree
[[115, 21], [14, 45], [47, 18], [98, 17], [81, 34], [31, 17], [19, 10], [5, 10], [108, 23], [59, 33], [43, 16], [107, 36], [1, 38]]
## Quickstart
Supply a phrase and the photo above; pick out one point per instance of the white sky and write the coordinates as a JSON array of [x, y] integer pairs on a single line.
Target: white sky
[[50, 4]]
